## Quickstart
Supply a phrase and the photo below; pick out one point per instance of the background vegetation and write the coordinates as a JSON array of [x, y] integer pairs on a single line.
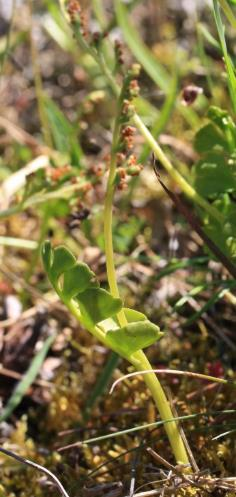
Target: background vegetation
[[174, 235]]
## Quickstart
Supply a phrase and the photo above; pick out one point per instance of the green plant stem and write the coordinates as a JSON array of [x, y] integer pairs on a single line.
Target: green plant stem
[[8, 39], [163, 407], [108, 238], [175, 175], [139, 359], [43, 232], [228, 12], [19, 243], [38, 85], [154, 146]]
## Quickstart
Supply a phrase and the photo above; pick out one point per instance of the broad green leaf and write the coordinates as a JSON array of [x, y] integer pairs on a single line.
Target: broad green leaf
[[133, 337], [209, 137], [77, 280], [214, 175], [133, 316], [224, 236], [96, 304], [225, 123], [63, 260]]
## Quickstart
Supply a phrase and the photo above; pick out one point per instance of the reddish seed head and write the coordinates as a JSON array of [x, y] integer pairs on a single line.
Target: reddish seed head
[[73, 9], [58, 173], [128, 131], [121, 172]]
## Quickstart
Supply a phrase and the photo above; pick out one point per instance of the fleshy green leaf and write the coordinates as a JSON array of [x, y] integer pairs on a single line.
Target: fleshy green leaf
[[209, 137], [134, 336], [214, 175], [77, 280], [133, 316], [96, 304], [225, 235], [63, 260]]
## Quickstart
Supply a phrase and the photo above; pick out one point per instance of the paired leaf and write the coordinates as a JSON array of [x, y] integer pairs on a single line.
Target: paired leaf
[[208, 138], [75, 280], [96, 304], [134, 336], [225, 237], [63, 260], [214, 175]]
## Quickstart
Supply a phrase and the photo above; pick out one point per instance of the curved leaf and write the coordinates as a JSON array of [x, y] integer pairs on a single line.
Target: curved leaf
[[96, 304], [77, 280], [63, 260], [134, 336], [133, 316]]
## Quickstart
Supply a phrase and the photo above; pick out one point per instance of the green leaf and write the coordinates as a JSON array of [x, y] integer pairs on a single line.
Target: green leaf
[[225, 235], [133, 316], [209, 137], [96, 304], [214, 175], [77, 280], [63, 260], [133, 337]]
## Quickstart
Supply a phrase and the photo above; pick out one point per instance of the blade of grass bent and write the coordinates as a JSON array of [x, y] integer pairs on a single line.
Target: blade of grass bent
[[27, 380], [228, 12], [231, 79], [142, 427]]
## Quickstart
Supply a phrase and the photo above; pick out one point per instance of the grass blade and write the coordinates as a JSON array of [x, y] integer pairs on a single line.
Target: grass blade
[[228, 62], [27, 380]]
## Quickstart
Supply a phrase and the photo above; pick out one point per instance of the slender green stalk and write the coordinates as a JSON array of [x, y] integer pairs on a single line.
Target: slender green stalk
[[38, 85], [8, 39], [164, 409], [228, 12], [42, 235], [8, 241], [154, 146], [108, 238], [175, 175], [139, 359]]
